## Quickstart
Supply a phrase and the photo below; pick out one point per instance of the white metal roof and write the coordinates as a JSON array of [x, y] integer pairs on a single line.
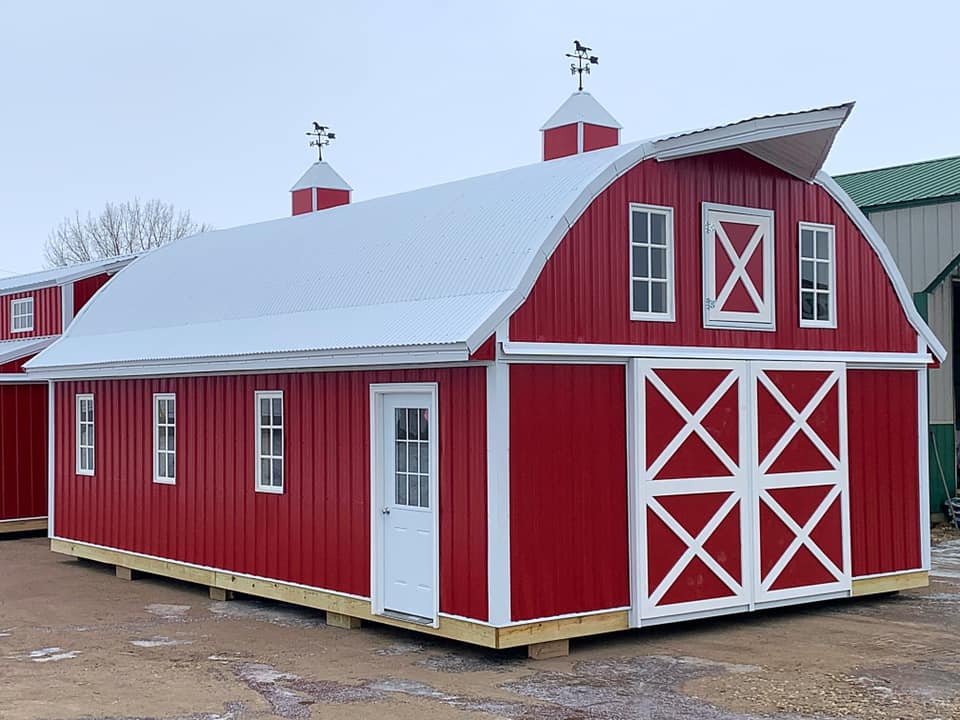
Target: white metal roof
[[581, 107], [321, 175], [431, 272], [11, 350], [62, 275]]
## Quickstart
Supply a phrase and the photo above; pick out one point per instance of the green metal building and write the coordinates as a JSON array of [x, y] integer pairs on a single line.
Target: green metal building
[[916, 210]]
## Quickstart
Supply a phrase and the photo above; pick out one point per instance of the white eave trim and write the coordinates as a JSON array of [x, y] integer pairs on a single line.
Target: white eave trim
[[274, 362], [9, 355], [534, 351], [886, 259]]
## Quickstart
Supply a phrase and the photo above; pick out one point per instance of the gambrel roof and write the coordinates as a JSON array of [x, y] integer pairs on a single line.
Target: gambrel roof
[[422, 276]]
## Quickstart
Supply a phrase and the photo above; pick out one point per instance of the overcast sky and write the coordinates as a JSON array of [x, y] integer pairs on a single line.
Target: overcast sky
[[204, 104]]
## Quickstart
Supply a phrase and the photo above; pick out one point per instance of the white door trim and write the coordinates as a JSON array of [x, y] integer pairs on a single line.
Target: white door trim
[[377, 501]]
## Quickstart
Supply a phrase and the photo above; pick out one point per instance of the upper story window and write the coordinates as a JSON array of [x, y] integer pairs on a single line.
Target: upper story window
[[165, 438], [818, 276], [269, 428], [738, 265], [651, 263], [85, 434], [21, 314]]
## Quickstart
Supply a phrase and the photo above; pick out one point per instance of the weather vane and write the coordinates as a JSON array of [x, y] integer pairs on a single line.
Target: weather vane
[[583, 62], [322, 137]]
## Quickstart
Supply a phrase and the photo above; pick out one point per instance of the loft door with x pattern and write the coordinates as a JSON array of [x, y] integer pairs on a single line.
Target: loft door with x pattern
[[800, 475], [692, 520], [738, 254]]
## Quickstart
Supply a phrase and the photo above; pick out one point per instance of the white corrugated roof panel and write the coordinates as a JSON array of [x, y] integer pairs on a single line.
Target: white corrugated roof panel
[[60, 275], [581, 107], [321, 175]]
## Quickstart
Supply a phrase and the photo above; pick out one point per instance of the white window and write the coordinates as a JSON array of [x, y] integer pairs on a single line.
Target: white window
[[85, 435], [269, 459], [21, 314], [818, 276], [165, 438], [651, 263]]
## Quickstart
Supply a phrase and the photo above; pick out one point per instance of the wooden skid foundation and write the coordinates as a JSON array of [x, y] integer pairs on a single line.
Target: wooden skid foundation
[[26, 525], [349, 612], [890, 583]]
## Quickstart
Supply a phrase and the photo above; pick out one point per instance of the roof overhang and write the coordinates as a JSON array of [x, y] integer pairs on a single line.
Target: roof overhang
[[797, 143], [12, 350]]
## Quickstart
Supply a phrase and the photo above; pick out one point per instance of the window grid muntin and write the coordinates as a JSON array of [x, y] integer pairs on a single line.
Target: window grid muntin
[[651, 262], [412, 457], [269, 428], [86, 435], [817, 275], [165, 438], [21, 314]]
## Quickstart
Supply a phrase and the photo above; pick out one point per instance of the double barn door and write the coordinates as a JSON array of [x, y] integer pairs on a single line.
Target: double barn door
[[742, 485]]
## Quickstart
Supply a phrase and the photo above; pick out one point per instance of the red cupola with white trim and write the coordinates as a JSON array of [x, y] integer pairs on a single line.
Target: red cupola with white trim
[[320, 187], [581, 124]]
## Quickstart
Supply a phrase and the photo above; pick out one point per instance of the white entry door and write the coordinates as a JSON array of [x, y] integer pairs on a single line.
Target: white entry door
[[407, 456]]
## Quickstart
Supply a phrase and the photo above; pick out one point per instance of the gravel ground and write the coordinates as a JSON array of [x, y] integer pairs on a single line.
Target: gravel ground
[[75, 642]]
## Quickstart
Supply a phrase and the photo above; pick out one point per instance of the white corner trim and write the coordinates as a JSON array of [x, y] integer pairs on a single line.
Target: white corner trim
[[886, 259], [498, 493], [51, 457], [923, 457]]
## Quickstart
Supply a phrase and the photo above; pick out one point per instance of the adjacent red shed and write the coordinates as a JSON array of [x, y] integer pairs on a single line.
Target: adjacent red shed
[[627, 386], [33, 311]]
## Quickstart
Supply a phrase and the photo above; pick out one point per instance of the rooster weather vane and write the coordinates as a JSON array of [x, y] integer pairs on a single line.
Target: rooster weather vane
[[322, 137], [584, 60]]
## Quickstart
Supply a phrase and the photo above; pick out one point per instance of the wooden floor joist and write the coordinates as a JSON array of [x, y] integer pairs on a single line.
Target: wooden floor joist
[[890, 583], [26, 525]]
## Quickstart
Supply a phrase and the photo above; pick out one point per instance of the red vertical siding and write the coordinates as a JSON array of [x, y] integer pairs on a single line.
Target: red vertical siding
[[884, 471], [331, 198], [596, 137], [84, 289], [582, 295], [560, 141], [302, 201], [318, 532], [568, 489], [15, 366], [46, 313], [23, 450]]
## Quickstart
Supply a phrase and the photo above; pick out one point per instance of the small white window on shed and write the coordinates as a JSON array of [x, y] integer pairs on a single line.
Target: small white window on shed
[[651, 263], [165, 438], [818, 276], [269, 428], [21, 314], [85, 434]]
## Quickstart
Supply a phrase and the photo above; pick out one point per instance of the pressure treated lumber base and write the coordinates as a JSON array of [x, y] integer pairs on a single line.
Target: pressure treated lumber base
[[545, 638], [220, 594], [125, 573], [8, 527]]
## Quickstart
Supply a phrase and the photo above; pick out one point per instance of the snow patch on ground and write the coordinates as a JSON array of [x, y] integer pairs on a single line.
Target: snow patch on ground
[[49, 654], [159, 641]]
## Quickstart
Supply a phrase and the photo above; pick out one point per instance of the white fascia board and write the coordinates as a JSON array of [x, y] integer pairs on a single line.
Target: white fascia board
[[750, 131], [886, 259], [346, 359], [531, 351]]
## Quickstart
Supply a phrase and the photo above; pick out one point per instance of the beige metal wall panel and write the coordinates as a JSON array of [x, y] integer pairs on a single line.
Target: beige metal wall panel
[[923, 240], [940, 317]]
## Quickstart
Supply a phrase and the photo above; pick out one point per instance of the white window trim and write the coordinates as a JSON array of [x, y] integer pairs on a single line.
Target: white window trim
[[730, 320], [81, 397], [157, 398], [832, 240], [14, 305], [258, 396], [670, 314]]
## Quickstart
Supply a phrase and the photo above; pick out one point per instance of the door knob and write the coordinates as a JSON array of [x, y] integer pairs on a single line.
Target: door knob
[[386, 511]]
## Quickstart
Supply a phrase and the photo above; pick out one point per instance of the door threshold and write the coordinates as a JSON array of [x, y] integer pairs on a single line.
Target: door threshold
[[418, 619]]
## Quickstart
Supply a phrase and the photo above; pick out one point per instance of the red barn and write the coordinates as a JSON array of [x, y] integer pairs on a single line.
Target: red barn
[[34, 309], [630, 385]]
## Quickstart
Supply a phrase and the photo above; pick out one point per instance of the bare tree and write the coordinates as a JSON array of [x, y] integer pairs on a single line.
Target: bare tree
[[120, 229]]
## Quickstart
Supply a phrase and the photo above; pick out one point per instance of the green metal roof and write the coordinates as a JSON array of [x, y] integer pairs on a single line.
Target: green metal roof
[[904, 184]]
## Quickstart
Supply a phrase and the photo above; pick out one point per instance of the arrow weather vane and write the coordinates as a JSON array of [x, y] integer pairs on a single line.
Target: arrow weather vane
[[583, 62], [322, 137]]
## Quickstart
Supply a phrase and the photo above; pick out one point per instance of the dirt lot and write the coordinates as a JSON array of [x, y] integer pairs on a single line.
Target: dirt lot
[[76, 642]]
